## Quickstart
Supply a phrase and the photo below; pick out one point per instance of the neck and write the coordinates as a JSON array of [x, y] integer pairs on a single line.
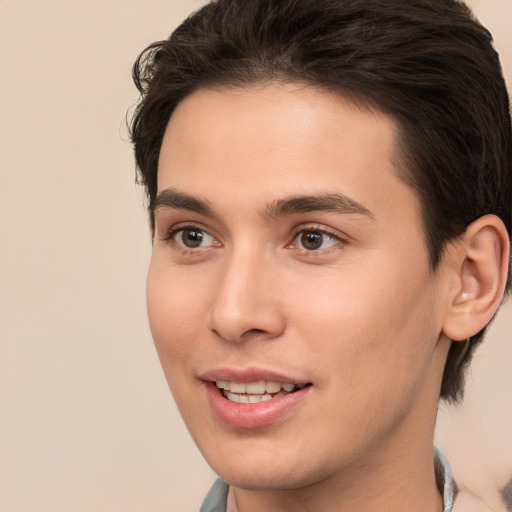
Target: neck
[[410, 484]]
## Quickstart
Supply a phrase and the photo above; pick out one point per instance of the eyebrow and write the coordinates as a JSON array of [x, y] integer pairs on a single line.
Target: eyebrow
[[331, 203], [171, 198]]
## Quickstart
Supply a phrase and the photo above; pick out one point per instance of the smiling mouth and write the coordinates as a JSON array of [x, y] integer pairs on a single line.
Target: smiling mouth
[[255, 392]]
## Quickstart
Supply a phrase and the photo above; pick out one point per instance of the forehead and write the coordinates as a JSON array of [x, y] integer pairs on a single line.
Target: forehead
[[266, 141], [277, 112]]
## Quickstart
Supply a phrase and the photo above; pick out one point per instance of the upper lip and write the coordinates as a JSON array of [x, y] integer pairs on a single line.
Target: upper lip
[[249, 374]]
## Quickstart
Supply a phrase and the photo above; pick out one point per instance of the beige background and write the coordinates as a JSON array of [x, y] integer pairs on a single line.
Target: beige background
[[86, 420]]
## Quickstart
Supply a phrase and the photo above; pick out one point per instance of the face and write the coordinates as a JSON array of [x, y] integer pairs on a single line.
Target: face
[[289, 291]]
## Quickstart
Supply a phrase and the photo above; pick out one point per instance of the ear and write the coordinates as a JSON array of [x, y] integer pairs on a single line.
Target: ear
[[481, 266]]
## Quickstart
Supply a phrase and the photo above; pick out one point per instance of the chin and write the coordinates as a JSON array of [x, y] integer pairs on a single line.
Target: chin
[[265, 466], [263, 479]]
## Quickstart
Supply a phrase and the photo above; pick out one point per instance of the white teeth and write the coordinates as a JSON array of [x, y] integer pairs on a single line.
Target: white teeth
[[246, 399], [275, 387], [238, 387], [256, 388], [241, 399]]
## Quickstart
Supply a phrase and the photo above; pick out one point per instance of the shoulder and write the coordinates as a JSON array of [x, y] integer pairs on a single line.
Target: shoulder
[[216, 499], [445, 482]]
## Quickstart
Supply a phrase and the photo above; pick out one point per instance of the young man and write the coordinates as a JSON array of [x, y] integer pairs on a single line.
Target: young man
[[329, 187]]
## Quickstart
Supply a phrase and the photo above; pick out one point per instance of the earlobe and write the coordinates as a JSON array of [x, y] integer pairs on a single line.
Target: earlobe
[[482, 266]]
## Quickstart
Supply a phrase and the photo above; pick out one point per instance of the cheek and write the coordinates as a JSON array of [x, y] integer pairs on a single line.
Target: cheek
[[368, 325], [174, 311]]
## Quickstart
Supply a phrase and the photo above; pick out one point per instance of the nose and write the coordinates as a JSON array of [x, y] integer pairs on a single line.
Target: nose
[[246, 301]]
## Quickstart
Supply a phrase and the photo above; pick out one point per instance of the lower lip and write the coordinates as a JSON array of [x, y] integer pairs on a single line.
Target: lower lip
[[256, 415]]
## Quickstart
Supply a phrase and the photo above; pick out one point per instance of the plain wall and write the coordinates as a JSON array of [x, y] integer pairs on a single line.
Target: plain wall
[[86, 420]]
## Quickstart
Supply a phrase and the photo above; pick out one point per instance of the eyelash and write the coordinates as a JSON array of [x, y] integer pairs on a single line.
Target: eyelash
[[173, 233], [317, 230], [299, 231]]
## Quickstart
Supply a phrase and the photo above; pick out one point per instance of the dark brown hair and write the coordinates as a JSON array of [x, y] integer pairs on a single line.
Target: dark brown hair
[[427, 63]]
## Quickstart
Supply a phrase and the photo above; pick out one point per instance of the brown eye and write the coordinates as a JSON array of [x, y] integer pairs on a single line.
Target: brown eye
[[311, 240], [314, 240], [193, 238]]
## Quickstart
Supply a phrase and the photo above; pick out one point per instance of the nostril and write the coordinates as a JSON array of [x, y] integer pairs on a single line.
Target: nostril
[[254, 333], [237, 317], [245, 336]]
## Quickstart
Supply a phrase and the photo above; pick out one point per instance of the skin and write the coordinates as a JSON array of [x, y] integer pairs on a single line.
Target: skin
[[360, 318]]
